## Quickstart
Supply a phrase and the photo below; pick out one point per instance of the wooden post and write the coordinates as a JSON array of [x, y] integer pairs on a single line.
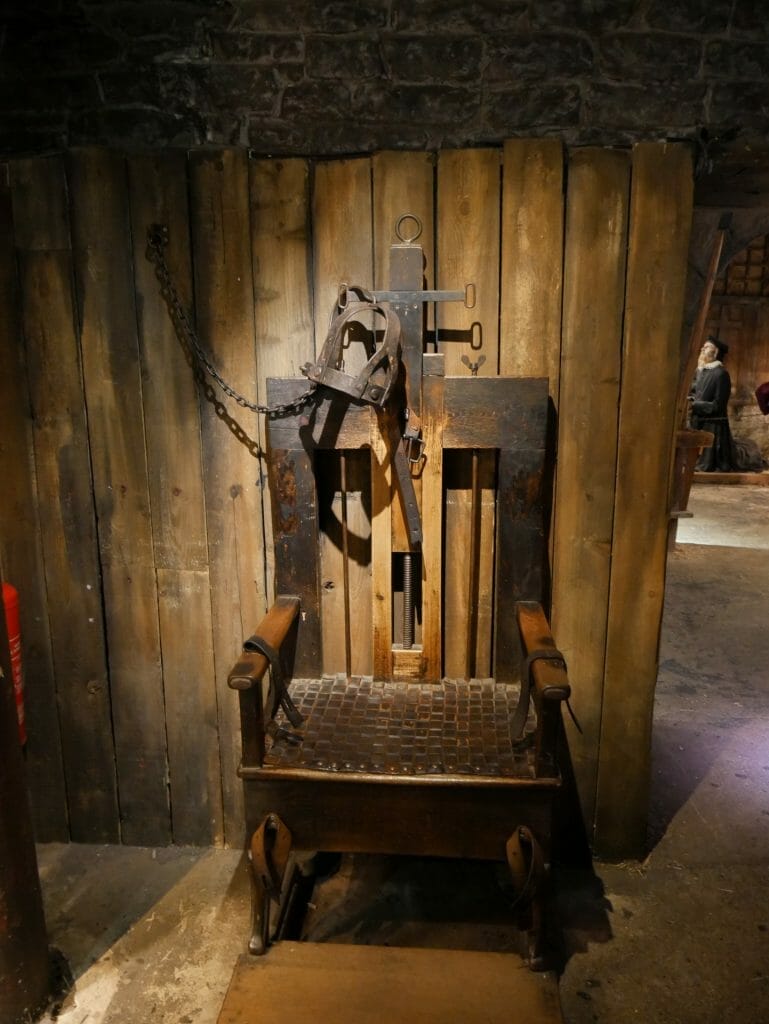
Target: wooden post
[[596, 240], [660, 221]]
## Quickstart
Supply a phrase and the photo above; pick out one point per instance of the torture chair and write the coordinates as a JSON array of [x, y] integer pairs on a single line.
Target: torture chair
[[430, 742]]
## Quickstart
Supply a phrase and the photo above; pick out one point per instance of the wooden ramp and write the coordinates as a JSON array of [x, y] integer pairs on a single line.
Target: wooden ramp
[[327, 983]]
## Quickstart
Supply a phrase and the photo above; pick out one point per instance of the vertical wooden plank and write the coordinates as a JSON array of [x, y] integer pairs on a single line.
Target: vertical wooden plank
[[21, 556], [432, 514], [342, 241], [467, 239], [358, 510], [279, 192], [381, 555], [343, 253], [109, 344], [660, 222], [595, 245], [221, 237], [532, 259], [520, 549], [158, 195], [458, 485], [295, 526], [402, 183]]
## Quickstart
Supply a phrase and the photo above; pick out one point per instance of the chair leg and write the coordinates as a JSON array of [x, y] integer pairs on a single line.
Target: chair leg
[[526, 861], [269, 852]]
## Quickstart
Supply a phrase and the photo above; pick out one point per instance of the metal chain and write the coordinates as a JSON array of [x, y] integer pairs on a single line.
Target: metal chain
[[157, 240]]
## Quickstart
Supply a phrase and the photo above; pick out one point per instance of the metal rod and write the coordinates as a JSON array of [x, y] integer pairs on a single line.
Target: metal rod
[[408, 601], [472, 585], [345, 570]]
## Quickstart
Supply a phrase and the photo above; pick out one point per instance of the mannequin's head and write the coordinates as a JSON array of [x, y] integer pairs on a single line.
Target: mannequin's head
[[708, 353]]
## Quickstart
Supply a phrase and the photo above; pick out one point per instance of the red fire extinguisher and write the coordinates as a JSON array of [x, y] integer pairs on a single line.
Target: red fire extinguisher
[[11, 604]]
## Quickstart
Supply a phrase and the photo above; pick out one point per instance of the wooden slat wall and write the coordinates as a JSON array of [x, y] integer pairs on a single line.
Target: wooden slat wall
[[138, 519]]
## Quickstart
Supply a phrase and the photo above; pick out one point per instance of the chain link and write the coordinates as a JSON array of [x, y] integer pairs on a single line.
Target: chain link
[[157, 240]]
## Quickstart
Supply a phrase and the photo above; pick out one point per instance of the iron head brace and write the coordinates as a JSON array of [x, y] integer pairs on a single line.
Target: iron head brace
[[375, 380]]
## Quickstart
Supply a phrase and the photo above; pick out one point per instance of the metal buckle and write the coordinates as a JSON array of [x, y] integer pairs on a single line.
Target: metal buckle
[[411, 443]]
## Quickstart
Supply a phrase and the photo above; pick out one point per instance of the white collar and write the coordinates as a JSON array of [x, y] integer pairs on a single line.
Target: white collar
[[713, 365]]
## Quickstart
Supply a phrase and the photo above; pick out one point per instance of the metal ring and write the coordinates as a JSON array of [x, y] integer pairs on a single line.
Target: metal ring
[[408, 239]]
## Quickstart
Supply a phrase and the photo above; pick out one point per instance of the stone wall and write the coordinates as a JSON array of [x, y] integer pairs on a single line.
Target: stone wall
[[305, 77]]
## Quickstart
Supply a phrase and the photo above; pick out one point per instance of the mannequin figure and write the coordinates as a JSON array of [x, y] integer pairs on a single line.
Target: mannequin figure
[[709, 397]]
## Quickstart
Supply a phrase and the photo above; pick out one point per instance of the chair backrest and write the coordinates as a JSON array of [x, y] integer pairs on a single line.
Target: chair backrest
[[341, 545]]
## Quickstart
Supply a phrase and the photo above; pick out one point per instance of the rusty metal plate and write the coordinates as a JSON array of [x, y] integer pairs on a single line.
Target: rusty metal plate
[[405, 728]]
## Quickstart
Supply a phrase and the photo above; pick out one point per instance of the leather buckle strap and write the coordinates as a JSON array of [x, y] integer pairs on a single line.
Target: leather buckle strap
[[524, 700], [282, 696]]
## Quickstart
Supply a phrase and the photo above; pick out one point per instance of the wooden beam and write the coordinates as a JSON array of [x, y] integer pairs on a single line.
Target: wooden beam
[[595, 246], [660, 221]]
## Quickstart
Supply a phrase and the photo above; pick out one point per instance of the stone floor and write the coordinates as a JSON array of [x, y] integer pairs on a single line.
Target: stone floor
[[683, 936]]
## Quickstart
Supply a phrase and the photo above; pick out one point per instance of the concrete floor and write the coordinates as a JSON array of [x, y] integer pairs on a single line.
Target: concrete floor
[[152, 935]]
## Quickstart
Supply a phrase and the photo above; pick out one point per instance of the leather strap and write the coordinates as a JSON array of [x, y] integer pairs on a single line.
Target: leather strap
[[282, 696], [526, 861], [270, 849], [524, 700]]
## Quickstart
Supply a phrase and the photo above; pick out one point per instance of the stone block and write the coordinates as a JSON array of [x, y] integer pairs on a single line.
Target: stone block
[[746, 61], [329, 56], [329, 138], [529, 106], [545, 56], [483, 16], [177, 20], [743, 104], [178, 88], [750, 18], [135, 128], [233, 87], [72, 92], [594, 16], [25, 133], [328, 101], [693, 16], [257, 47], [642, 56], [416, 104], [312, 15], [672, 106], [64, 49], [131, 87], [433, 58]]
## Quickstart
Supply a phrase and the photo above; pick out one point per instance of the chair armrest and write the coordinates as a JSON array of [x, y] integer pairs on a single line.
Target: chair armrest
[[550, 684], [271, 632], [250, 669]]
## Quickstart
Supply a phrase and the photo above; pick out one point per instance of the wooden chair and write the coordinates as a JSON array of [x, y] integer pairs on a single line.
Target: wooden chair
[[402, 760]]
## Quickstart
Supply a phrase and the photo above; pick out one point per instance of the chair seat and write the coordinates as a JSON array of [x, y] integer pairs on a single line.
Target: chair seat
[[385, 727]]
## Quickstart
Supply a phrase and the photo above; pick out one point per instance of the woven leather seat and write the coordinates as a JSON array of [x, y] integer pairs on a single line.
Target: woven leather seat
[[404, 728]]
